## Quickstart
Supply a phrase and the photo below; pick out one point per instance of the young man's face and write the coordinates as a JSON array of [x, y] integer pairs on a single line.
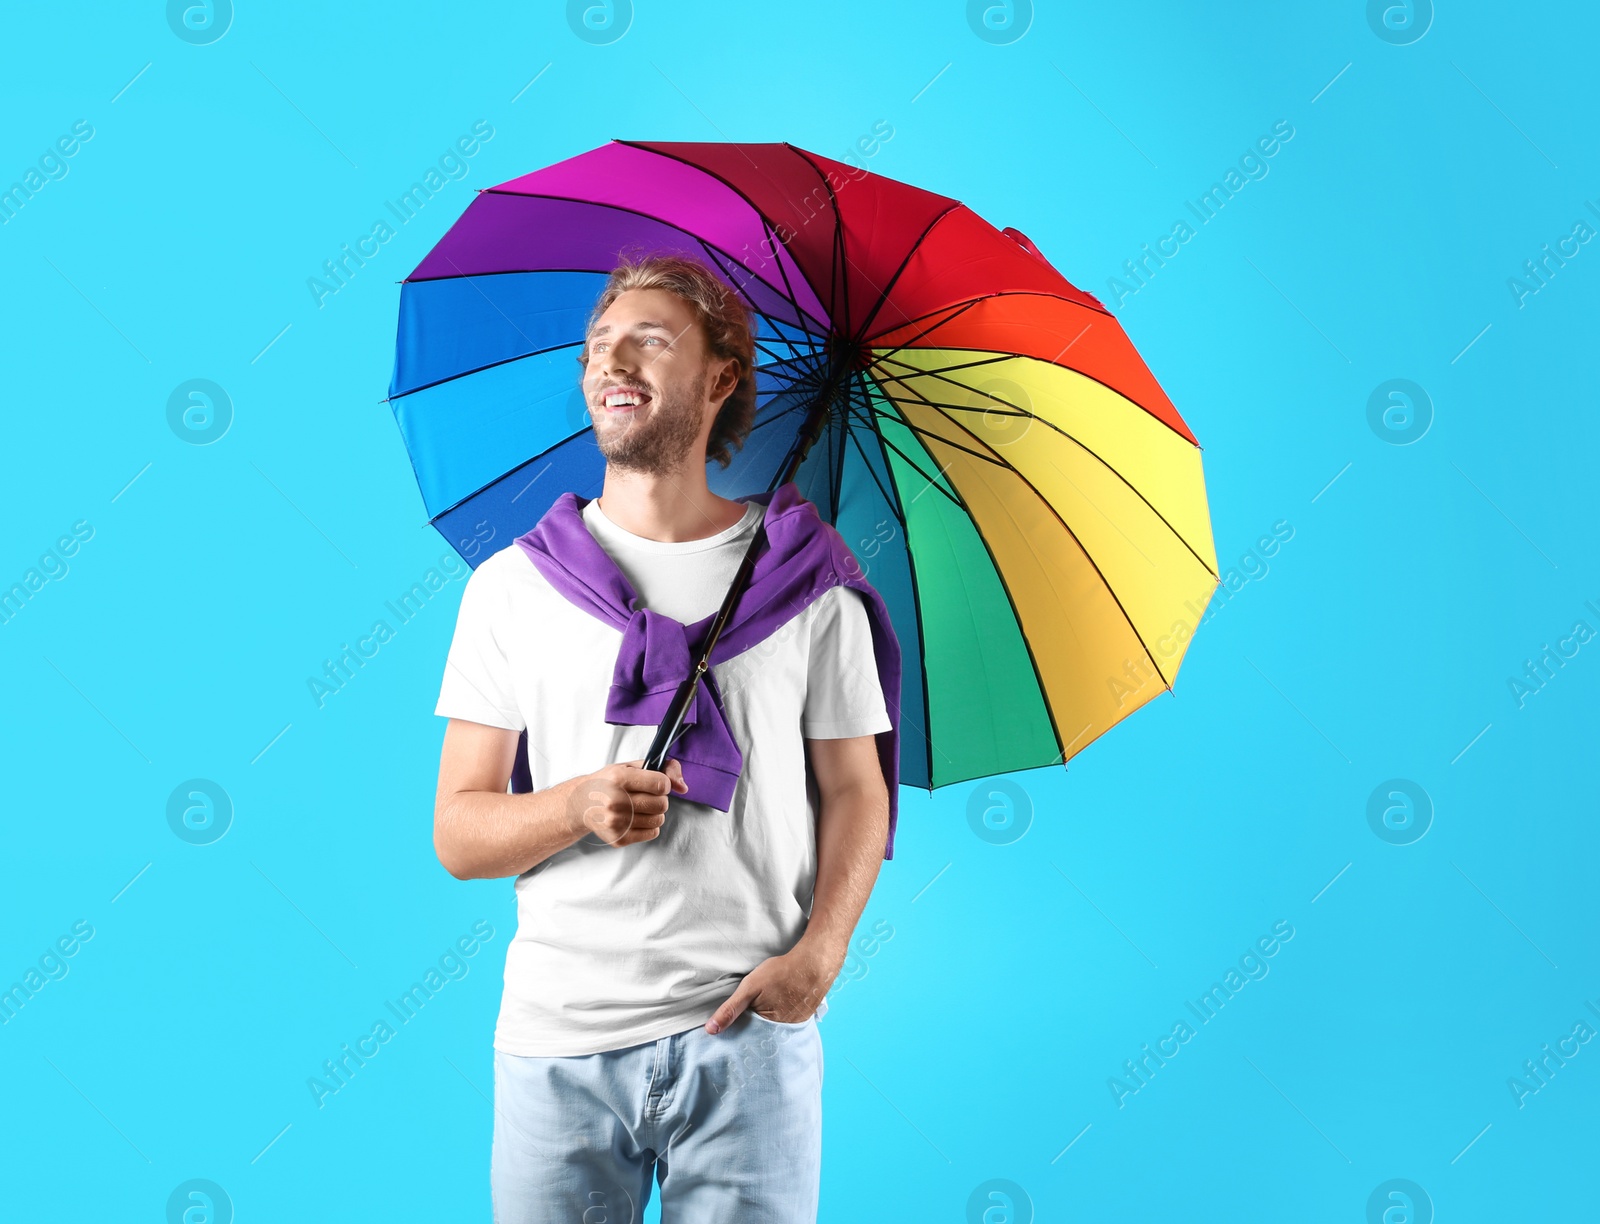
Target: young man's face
[[649, 343]]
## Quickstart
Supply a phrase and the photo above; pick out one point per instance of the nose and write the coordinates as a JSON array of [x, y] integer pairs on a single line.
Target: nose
[[615, 364]]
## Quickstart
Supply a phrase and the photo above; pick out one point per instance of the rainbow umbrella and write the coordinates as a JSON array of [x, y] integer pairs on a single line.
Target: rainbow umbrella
[[983, 434]]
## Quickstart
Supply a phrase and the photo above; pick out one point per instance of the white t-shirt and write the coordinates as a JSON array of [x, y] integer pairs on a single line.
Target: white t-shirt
[[615, 947]]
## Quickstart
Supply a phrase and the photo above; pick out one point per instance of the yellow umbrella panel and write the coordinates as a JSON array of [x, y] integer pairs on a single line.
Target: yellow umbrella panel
[[1061, 551]]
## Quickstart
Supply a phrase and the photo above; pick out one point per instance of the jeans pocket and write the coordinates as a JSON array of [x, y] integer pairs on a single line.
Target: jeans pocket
[[788, 1024]]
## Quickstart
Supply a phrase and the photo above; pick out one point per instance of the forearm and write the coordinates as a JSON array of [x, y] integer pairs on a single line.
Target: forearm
[[852, 829], [481, 835]]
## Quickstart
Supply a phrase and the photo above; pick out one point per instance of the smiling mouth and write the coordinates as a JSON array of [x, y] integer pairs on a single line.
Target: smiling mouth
[[624, 400]]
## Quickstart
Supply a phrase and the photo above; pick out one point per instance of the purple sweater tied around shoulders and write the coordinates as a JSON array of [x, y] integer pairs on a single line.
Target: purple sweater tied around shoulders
[[800, 559]]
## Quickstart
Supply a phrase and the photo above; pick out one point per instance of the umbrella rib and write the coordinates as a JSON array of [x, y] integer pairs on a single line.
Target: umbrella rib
[[837, 255], [891, 497], [948, 407], [1113, 523], [788, 382], [634, 212], [933, 481], [874, 414], [891, 501], [501, 479], [765, 220], [836, 285], [712, 252], [785, 411], [786, 352], [774, 363], [838, 258], [716, 252], [439, 382], [769, 421], [765, 346], [1004, 356], [539, 352], [788, 288], [1088, 556], [430, 280], [967, 303], [473, 282], [775, 366], [1033, 663], [794, 356], [950, 311], [883, 294], [954, 445], [951, 407], [844, 434], [772, 394]]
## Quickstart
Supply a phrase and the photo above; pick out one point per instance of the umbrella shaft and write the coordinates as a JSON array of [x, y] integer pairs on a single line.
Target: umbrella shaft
[[672, 726]]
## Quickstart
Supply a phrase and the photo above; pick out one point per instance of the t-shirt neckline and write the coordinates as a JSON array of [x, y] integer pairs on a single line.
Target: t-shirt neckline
[[593, 514]]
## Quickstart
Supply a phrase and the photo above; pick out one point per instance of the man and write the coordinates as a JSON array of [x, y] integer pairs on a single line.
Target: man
[[672, 955]]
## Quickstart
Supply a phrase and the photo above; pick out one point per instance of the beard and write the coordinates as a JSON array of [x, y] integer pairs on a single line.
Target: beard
[[657, 445]]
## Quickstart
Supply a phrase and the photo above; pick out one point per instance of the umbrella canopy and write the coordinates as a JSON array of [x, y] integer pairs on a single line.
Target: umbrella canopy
[[1013, 480]]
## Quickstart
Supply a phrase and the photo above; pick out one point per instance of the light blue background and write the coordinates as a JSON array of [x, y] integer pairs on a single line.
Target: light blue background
[[977, 1041]]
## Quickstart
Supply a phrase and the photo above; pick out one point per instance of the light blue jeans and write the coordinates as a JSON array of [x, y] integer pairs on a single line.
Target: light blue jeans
[[731, 1124]]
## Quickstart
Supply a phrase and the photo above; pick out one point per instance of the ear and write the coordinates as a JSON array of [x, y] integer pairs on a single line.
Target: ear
[[727, 379]]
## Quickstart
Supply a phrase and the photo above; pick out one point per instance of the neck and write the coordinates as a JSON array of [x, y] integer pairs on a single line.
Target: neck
[[670, 508]]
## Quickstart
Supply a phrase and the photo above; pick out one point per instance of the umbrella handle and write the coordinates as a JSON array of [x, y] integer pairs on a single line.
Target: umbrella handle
[[672, 726]]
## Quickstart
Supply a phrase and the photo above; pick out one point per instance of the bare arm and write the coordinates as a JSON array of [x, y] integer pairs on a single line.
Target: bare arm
[[852, 831], [481, 832]]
